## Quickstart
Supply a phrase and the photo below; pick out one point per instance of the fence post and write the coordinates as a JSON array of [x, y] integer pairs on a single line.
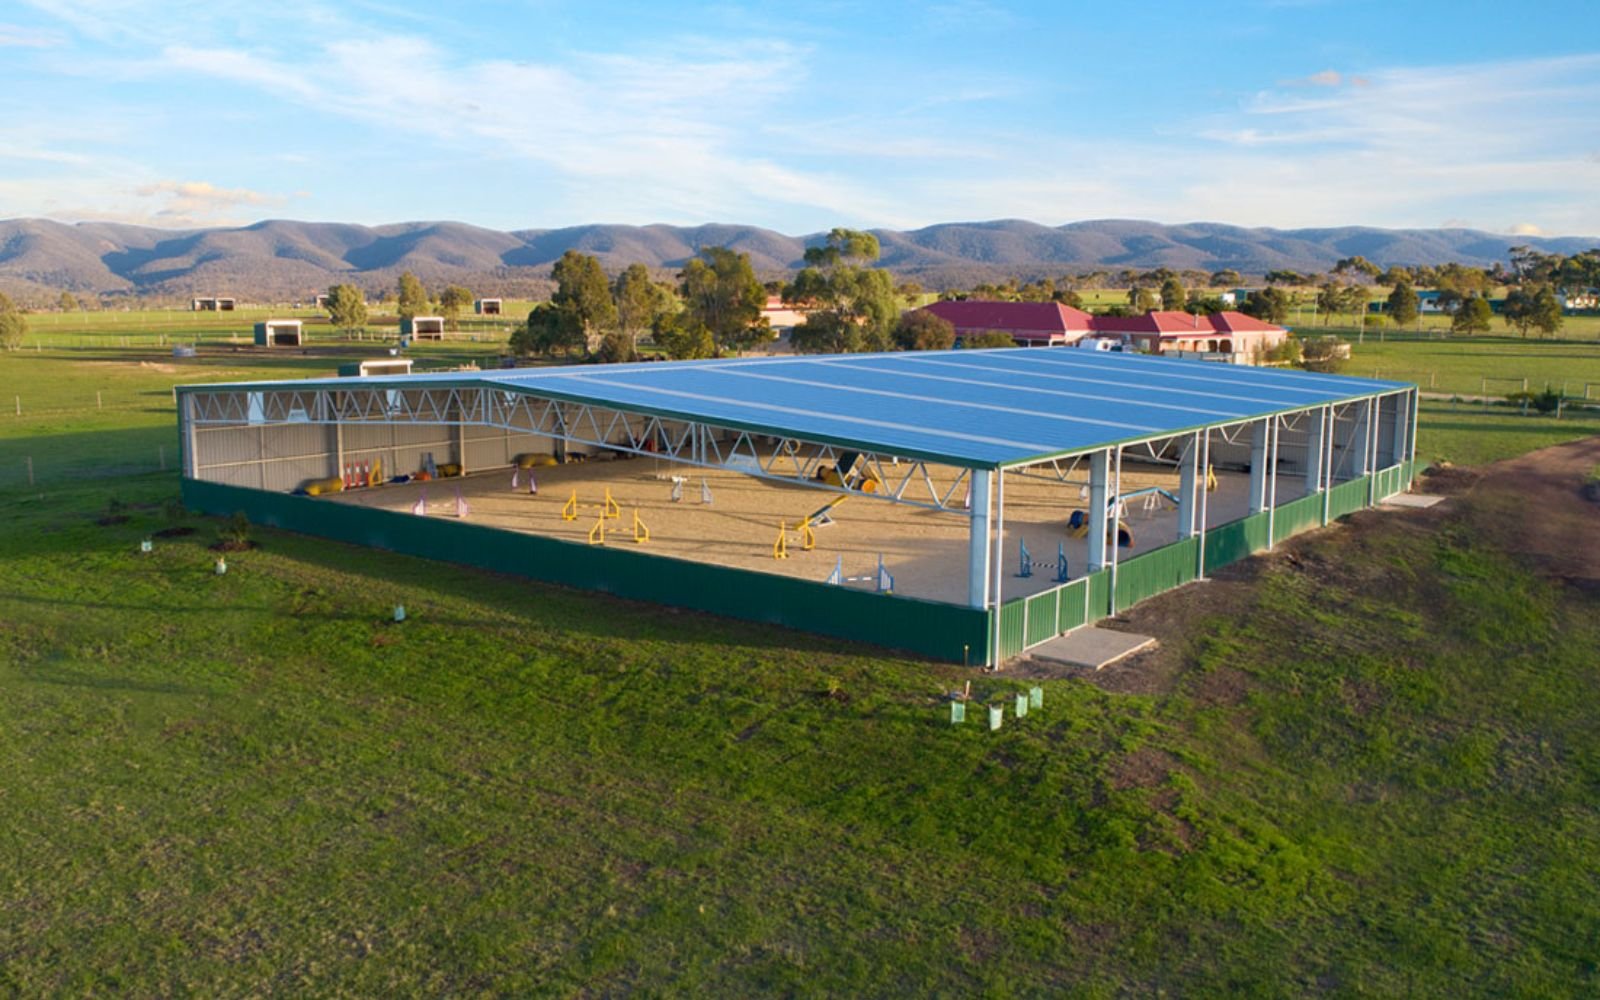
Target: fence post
[[30, 470]]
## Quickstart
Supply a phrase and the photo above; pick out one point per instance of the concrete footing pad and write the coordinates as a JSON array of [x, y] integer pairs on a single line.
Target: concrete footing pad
[[1411, 500], [1091, 647]]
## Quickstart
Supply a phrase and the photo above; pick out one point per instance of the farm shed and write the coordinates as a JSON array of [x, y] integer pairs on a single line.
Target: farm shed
[[487, 307], [996, 498], [422, 327], [214, 303], [279, 333], [375, 366]]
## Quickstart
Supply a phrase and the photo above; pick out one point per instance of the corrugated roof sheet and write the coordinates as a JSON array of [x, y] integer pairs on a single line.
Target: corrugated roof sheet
[[981, 409]]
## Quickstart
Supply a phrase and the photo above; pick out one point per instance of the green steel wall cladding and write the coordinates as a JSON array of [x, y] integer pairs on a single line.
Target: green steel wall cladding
[[1170, 566], [1346, 498], [1297, 516], [1228, 543], [1156, 571], [935, 630]]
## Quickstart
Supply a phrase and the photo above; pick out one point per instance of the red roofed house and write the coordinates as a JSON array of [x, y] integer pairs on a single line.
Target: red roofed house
[[1161, 332], [1030, 324], [1051, 324]]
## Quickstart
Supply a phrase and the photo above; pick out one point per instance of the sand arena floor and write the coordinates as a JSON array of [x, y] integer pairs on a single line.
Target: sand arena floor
[[925, 550]]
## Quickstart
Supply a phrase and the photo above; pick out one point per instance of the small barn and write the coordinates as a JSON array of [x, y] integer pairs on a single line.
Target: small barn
[[422, 327], [376, 366], [487, 307], [214, 303], [279, 333]]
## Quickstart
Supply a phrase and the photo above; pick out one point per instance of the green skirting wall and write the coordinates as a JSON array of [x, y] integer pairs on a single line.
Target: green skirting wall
[[1030, 621], [942, 631], [934, 630]]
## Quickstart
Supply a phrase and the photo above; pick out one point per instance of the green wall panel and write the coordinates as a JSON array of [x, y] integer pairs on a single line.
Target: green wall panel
[[1228, 543], [1347, 498], [1297, 516], [924, 627], [1012, 635], [1156, 571]]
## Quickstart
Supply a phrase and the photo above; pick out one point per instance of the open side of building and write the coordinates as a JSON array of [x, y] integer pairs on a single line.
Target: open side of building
[[1206, 463]]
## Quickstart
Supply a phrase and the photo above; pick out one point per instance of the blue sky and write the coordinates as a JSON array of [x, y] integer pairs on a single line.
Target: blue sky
[[801, 116]]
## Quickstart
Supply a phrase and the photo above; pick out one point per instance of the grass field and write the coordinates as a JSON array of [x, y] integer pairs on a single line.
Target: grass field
[[1376, 776]]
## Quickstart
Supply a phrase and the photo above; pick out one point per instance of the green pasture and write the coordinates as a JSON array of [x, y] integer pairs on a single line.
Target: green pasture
[[1374, 778], [1373, 775], [1460, 365]]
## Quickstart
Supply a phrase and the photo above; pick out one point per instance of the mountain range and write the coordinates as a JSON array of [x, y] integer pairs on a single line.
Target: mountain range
[[278, 260]]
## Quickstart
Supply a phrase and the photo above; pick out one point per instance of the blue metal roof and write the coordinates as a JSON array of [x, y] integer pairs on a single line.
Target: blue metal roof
[[982, 409]]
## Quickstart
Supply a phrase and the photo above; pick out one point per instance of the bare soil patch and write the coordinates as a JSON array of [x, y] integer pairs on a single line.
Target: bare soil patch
[[1534, 504]]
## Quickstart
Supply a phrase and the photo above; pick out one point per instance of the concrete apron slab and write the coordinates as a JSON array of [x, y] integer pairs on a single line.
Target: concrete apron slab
[[1411, 500], [1091, 647]]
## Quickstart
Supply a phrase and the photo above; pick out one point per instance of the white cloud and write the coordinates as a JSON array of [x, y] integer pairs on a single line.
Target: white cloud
[[18, 37], [1525, 229], [199, 202]]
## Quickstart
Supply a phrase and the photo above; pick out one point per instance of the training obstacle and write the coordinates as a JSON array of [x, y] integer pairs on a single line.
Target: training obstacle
[[882, 580], [641, 533], [461, 504], [420, 508], [597, 534], [610, 507], [569, 510], [677, 488], [1060, 565]]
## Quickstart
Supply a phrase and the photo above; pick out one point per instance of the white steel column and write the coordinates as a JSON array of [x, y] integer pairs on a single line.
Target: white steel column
[[1402, 425], [191, 458], [1258, 466], [1188, 477], [1274, 433], [1116, 532], [999, 542], [1098, 469], [1316, 429], [1327, 466], [1205, 504], [1372, 450], [978, 525]]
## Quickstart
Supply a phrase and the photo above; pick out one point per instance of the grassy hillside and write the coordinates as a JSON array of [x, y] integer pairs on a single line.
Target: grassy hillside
[[1364, 765]]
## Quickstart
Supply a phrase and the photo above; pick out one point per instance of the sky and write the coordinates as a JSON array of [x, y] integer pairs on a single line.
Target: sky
[[803, 116]]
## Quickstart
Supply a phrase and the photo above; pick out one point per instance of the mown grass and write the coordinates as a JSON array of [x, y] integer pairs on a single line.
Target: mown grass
[[1470, 434], [1375, 777], [1459, 366]]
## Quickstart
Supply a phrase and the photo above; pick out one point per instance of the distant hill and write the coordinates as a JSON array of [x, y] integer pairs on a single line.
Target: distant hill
[[278, 260]]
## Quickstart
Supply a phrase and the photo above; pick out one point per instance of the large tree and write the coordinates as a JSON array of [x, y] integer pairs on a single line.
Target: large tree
[[920, 330], [853, 307], [550, 330], [1173, 295], [640, 302], [720, 292], [1226, 278], [683, 337], [1269, 304], [1402, 304], [412, 299], [1142, 299], [583, 292], [1472, 315], [347, 308], [1535, 307], [452, 301], [13, 325]]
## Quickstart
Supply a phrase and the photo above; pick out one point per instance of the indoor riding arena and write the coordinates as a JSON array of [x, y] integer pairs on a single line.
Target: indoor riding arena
[[965, 505]]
